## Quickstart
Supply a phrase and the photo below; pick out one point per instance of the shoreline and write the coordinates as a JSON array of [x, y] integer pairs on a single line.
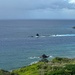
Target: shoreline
[[34, 68]]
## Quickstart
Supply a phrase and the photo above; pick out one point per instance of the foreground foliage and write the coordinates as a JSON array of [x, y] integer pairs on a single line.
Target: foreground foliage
[[2, 72], [57, 66]]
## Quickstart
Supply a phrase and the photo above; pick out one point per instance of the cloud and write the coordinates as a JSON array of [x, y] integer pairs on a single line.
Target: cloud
[[72, 1], [28, 9], [37, 4]]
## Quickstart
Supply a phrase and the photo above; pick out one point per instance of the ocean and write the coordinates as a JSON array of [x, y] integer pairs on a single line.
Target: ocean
[[19, 45]]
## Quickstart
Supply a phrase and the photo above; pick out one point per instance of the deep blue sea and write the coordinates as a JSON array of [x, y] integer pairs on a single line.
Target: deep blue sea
[[18, 48]]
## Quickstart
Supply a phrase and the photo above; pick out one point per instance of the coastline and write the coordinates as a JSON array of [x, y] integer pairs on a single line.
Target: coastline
[[54, 66]]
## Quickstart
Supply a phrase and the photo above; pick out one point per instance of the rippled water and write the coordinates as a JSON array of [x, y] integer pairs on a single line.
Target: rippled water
[[20, 47]]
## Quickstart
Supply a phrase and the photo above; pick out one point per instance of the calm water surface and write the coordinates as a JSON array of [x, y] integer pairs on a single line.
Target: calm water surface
[[18, 48]]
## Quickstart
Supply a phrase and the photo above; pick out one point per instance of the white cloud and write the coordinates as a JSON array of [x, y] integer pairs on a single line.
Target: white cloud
[[72, 1]]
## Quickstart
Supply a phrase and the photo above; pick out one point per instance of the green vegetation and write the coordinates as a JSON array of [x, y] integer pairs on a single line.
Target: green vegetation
[[2, 72], [57, 66]]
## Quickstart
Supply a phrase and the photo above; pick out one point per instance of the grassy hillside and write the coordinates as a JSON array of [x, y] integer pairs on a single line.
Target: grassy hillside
[[57, 66]]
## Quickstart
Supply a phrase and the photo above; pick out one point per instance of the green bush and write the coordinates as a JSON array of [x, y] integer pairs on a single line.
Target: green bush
[[3, 72], [67, 70], [57, 72], [70, 68]]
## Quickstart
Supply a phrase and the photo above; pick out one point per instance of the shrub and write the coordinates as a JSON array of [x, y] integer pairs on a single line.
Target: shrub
[[3, 72]]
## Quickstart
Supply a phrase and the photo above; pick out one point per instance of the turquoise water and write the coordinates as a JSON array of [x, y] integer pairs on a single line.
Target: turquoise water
[[18, 48]]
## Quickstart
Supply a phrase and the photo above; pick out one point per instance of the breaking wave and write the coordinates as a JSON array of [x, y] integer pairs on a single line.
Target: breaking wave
[[34, 62], [57, 35], [34, 57], [61, 35], [38, 57], [50, 56], [42, 36]]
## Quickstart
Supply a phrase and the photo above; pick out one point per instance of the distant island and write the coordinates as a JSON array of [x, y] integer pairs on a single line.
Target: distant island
[[57, 66], [73, 27]]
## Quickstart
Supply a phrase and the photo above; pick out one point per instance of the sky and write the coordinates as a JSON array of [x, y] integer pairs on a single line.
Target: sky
[[37, 9]]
